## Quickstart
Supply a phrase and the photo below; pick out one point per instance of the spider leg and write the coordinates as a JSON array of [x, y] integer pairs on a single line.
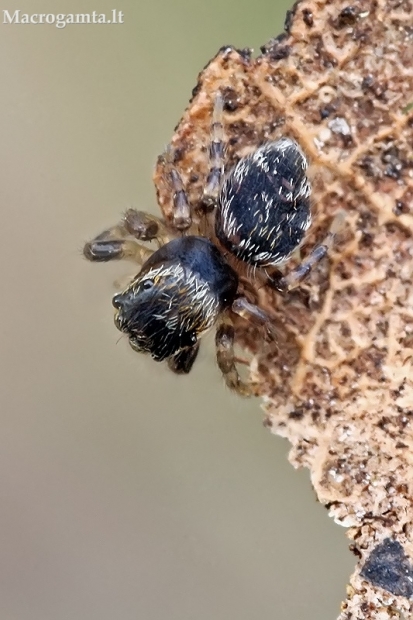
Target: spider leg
[[216, 156], [103, 250], [249, 311], [181, 208], [113, 243], [181, 363], [297, 275], [224, 341], [145, 226]]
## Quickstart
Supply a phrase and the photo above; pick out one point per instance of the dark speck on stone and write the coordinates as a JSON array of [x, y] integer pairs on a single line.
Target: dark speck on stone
[[347, 16], [308, 17], [388, 567]]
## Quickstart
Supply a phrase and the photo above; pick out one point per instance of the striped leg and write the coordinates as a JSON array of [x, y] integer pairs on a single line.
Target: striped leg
[[226, 359], [251, 312], [181, 208], [145, 226], [216, 156], [115, 243], [297, 275]]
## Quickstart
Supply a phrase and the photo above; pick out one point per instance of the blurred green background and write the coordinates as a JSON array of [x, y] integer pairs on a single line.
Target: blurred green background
[[127, 492]]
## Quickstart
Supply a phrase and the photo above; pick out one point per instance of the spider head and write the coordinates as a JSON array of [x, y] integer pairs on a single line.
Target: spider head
[[165, 309]]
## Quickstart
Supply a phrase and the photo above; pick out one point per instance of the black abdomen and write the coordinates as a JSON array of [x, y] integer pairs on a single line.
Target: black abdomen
[[264, 204]]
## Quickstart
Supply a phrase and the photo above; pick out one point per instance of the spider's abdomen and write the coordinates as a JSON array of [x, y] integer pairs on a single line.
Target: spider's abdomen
[[264, 204]]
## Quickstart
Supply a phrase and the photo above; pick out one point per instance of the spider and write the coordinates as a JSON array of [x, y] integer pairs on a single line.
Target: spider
[[255, 215]]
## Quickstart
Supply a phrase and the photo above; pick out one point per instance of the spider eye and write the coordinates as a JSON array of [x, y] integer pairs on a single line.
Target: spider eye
[[147, 284]]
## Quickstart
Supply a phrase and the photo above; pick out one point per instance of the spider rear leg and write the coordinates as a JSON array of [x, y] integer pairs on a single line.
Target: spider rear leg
[[216, 156], [259, 317], [226, 359], [113, 243], [297, 275], [181, 363]]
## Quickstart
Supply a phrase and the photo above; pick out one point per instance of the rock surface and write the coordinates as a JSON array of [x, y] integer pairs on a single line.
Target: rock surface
[[339, 384]]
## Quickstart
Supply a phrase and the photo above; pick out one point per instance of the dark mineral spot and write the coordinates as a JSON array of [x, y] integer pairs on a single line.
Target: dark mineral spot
[[231, 99], [245, 53], [370, 167], [289, 18], [308, 17], [297, 414], [347, 16], [400, 208], [278, 52], [367, 82], [388, 567], [394, 164], [324, 113]]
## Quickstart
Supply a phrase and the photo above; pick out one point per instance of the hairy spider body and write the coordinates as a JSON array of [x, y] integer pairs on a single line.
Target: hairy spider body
[[176, 297], [261, 211], [264, 205]]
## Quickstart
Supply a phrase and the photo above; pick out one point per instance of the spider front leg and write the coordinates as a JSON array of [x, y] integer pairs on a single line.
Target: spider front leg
[[297, 275], [113, 243], [145, 226], [226, 359], [216, 156]]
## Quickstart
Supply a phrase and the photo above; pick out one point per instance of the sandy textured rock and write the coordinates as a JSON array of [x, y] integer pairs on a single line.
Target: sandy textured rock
[[338, 384]]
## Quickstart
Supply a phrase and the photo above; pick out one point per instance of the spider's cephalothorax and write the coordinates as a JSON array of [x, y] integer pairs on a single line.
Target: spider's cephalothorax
[[177, 296], [264, 204], [261, 213]]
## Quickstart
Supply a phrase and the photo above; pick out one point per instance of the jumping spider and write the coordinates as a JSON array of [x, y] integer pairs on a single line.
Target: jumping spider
[[258, 212]]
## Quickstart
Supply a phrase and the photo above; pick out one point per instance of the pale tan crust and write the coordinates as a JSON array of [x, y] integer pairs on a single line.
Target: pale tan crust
[[340, 386]]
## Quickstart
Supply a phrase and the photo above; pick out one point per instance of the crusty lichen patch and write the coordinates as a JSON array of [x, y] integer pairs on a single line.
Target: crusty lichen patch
[[340, 388]]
